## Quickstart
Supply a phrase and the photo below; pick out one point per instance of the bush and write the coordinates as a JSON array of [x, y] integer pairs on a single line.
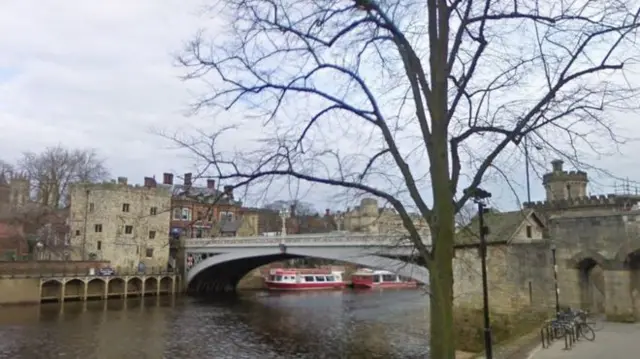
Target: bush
[[469, 326]]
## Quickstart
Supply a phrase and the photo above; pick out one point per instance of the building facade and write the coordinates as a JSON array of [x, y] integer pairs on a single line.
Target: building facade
[[369, 218], [127, 225]]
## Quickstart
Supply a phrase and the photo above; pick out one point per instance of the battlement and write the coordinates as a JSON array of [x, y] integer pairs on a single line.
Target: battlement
[[587, 201], [114, 185], [565, 176]]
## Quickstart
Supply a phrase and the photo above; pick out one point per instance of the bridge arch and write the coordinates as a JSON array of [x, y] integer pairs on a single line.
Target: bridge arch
[[222, 272]]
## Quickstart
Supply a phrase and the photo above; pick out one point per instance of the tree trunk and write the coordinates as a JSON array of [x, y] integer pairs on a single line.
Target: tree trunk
[[441, 299]]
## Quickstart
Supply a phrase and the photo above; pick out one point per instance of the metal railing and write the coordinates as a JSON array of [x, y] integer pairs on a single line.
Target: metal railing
[[82, 272], [332, 238], [570, 326]]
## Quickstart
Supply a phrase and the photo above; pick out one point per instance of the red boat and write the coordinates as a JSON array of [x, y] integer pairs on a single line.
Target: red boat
[[304, 279], [368, 278]]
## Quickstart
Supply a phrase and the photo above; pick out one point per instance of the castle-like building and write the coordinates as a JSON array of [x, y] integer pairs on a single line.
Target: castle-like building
[[127, 225], [566, 191], [14, 191], [369, 218]]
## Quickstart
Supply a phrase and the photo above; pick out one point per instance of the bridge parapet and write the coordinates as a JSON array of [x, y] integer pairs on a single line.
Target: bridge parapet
[[323, 239]]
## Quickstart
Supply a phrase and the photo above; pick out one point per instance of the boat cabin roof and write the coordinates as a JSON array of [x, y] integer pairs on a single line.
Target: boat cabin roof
[[303, 271], [367, 271]]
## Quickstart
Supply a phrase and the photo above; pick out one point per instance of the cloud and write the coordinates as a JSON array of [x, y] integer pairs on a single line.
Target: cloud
[[95, 74]]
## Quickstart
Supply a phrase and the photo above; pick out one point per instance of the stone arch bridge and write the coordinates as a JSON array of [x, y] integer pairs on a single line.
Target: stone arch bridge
[[218, 264]]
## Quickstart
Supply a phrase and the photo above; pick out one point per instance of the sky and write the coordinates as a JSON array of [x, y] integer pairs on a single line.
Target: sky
[[102, 74]]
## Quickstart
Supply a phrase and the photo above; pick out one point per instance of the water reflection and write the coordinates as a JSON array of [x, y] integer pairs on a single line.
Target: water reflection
[[370, 324]]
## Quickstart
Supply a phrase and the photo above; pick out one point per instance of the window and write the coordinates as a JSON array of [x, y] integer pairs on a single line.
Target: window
[[128, 229], [99, 245], [226, 216], [149, 252], [529, 232], [98, 228], [176, 213], [186, 214], [199, 233], [530, 293], [77, 232], [152, 234], [125, 207], [200, 215], [153, 211], [91, 207], [319, 278]]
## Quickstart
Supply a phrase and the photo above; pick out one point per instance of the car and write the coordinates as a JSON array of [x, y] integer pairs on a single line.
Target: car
[[106, 271]]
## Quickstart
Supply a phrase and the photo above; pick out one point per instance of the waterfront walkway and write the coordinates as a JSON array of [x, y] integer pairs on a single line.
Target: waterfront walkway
[[614, 341]]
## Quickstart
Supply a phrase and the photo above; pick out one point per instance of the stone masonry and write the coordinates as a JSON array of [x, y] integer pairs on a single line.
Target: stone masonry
[[124, 224], [597, 240]]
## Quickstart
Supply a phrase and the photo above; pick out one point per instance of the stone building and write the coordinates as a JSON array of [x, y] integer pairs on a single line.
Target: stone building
[[369, 218], [518, 263], [14, 192], [121, 223], [597, 239]]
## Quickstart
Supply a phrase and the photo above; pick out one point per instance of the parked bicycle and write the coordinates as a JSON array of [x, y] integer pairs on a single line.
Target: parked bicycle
[[580, 322]]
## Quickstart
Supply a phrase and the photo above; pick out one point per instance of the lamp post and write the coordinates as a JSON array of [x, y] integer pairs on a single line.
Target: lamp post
[[284, 214], [479, 195], [39, 245], [555, 277]]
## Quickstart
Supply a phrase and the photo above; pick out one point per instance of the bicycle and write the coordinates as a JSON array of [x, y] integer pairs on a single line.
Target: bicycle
[[580, 320]]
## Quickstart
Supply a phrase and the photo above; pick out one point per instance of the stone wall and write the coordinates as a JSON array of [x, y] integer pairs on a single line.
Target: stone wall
[[594, 264], [19, 290], [98, 224], [518, 275]]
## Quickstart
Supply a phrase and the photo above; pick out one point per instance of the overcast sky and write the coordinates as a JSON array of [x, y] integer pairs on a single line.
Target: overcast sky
[[101, 74]]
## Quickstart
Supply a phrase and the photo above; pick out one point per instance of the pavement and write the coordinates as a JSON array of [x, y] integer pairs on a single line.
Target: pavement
[[614, 341]]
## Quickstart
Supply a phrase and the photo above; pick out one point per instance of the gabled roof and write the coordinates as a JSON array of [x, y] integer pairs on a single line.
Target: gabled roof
[[502, 226]]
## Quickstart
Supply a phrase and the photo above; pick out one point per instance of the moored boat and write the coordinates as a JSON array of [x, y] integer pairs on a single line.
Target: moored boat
[[369, 278], [304, 279]]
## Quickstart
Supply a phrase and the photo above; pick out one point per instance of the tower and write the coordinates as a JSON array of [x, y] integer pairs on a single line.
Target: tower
[[19, 191], [560, 184]]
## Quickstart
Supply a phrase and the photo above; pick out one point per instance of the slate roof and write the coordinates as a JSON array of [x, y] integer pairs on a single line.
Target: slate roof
[[502, 226]]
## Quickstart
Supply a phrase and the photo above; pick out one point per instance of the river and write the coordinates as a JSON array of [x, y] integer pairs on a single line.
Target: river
[[351, 324]]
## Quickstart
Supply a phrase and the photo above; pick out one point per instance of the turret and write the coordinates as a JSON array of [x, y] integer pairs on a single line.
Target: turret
[[564, 185]]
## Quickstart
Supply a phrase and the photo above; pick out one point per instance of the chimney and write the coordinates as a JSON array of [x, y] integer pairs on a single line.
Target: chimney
[[187, 179], [327, 212], [211, 183], [122, 180], [149, 182], [167, 178], [228, 190]]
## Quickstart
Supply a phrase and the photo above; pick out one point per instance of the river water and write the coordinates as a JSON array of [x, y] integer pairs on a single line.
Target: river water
[[351, 324]]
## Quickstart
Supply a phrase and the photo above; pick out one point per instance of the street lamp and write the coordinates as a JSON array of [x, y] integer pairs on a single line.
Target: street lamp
[[479, 195], [39, 245], [284, 214], [555, 277]]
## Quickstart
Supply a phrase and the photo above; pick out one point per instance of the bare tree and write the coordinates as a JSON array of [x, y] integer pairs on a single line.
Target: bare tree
[[6, 169], [53, 170], [44, 229], [362, 94]]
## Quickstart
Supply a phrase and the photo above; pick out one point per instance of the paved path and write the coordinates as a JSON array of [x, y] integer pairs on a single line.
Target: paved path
[[614, 341]]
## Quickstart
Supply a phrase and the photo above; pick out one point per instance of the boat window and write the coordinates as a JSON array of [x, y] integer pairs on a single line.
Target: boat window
[[278, 278], [319, 278], [376, 278], [388, 277], [330, 278], [308, 278], [272, 277]]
